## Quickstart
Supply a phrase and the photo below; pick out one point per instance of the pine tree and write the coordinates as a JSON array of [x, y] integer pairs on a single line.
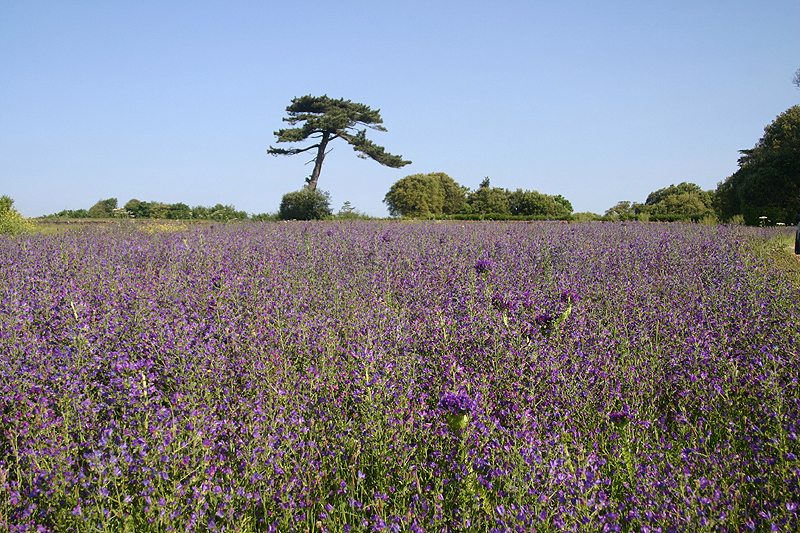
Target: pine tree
[[326, 119]]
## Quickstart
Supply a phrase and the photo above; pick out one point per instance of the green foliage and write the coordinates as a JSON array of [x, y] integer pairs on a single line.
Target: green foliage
[[11, 221], [499, 216], [586, 216], [348, 212], [768, 180], [159, 210], [622, 209], [138, 209], [564, 202], [534, 203], [103, 208], [265, 217], [686, 199], [219, 212], [436, 194], [305, 204], [70, 213], [709, 219], [413, 196], [489, 200], [677, 202], [425, 194], [327, 119], [523, 203], [179, 211]]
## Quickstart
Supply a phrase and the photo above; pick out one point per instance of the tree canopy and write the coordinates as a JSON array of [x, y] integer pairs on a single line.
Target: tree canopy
[[488, 200], [327, 119], [534, 203], [438, 194], [685, 200], [768, 180], [425, 194], [103, 208], [138, 209], [11, 221]]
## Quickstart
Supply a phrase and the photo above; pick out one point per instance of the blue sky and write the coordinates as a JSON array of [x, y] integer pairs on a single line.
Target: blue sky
[[599, 101]]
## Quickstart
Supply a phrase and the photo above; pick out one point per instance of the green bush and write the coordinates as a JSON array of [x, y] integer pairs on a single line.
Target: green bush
[[586, 216], [420, 195], [537, 204], [11, 221], [305, 204], [103, 208], [265, 217], [489, 201]]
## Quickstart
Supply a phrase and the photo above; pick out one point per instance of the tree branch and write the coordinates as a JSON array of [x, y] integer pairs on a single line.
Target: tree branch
[[289, 151]]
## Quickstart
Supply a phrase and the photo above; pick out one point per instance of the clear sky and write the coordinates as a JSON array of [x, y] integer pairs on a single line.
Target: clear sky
[[177, 101]]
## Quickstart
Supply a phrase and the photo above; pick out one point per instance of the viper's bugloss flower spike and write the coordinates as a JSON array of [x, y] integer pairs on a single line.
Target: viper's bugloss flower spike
[[569, 296], [456, 403], [502, 303], [619, 417], [457, 409], [484, 265], [546, 322]]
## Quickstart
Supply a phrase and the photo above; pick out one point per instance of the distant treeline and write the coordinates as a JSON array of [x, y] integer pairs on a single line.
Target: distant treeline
[[685, 201], [764, 191], [437, 194], [134, 208]]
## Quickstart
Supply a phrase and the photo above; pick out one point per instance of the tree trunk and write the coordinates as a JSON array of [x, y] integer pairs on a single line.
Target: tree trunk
[[311, 182]]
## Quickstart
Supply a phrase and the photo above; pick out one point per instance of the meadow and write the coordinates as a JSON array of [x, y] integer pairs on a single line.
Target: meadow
[[381, 376]]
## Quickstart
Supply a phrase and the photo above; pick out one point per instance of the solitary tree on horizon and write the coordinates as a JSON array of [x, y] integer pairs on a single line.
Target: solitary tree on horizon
[[327, 119]]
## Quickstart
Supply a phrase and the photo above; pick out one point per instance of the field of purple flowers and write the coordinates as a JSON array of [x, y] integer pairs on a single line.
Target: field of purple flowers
[[378, 376]]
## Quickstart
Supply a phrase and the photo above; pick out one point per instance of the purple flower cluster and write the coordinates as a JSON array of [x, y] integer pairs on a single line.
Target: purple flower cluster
[[457, 404], [569, 296], [483, 265], [619, 417], [288, 377], [545, 320], [503, 303]]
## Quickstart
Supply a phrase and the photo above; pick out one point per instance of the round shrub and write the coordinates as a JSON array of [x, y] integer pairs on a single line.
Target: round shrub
[[11, 221], [305, 204]]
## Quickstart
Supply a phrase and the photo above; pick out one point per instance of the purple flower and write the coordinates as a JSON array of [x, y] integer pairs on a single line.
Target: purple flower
[[484, 265], [569, 296], [456, 404], [545, 321], [501, 303], [619, 417]]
